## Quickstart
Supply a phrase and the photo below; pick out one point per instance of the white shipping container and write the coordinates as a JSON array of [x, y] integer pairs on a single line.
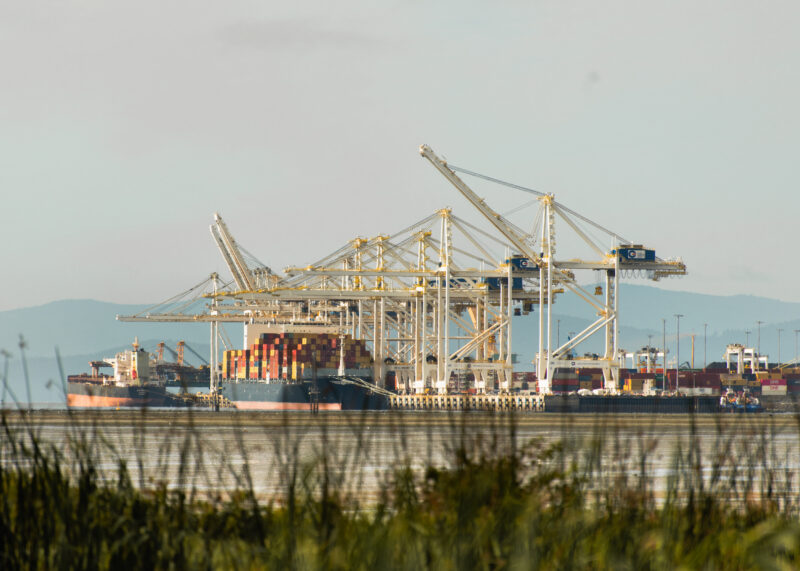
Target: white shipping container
[[699, 391], [773, 390]]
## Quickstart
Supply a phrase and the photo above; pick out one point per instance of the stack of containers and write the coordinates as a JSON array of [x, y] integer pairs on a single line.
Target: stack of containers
[[623, 375], [524, 380], [772, 384], [705, 383], [291, 356], [733, 382], [564, 381], [689, 381], [792, 384], [590, 378], [584, 380], [236, 364], [634, 382]]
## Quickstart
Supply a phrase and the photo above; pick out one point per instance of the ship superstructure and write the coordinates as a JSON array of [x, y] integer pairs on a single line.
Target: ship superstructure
[[130, 385]]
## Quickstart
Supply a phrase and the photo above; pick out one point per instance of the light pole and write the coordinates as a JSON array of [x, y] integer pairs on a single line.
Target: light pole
[[759, 337], [796, 331], [558, 335], [747, 339], [678, 354], [705, 345], [779, 345]]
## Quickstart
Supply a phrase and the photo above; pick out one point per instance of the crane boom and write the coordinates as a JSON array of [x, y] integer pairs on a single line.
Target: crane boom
[[495, 218], [231, 254]]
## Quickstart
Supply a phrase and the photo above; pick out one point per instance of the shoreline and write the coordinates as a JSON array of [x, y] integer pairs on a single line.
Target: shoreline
[[474, 419]]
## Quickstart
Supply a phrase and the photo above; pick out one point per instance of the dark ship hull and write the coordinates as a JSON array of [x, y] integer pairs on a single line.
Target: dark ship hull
[[99, 395], [631, 404], [326, 393]]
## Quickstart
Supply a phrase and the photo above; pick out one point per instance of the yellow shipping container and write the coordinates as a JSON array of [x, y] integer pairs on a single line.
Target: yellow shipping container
[[633, 385]]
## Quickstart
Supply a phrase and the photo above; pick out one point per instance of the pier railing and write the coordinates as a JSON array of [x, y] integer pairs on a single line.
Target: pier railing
[[531, 402]]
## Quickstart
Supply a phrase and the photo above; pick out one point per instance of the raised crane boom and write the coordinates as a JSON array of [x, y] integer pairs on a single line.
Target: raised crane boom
[[495, 218], [231, 254]]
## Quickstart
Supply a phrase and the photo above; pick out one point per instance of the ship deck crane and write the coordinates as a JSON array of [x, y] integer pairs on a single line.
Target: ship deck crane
[[194, 306], [195, 353]]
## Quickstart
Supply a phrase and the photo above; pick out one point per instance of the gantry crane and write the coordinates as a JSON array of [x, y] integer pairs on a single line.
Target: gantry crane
[[404, 293], [559, 273], [246, 278]]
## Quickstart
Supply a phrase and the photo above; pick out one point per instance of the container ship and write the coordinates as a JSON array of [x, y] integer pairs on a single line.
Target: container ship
[[296, 370], [130, 385], [715, 388]]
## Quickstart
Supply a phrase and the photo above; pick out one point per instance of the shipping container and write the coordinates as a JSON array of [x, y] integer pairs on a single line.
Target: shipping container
[[773, 390]]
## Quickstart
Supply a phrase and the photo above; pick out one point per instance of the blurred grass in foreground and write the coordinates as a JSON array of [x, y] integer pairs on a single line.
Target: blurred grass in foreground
[[495, 503]]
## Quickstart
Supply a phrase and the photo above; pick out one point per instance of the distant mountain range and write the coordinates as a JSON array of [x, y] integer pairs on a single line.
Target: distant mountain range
[[80, 326], [86, 329]]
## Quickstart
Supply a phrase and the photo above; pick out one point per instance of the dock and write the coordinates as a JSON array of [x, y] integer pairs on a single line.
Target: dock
[[529, 402]]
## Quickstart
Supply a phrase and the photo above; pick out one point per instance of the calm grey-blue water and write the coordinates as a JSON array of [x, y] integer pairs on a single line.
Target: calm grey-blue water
[[208, 453]]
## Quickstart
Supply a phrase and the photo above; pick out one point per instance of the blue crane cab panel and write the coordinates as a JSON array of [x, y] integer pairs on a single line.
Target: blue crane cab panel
[[635, 253]]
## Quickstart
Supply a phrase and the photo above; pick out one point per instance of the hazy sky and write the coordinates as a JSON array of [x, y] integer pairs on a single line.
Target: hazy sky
[[125, 126]]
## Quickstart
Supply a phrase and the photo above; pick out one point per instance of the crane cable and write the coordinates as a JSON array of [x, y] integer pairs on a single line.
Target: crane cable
[[536, 192]]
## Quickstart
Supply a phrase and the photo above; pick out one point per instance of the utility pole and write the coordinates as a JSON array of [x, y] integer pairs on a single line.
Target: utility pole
[[678, 354], [796, 331], [664, 350], [779, 346]]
